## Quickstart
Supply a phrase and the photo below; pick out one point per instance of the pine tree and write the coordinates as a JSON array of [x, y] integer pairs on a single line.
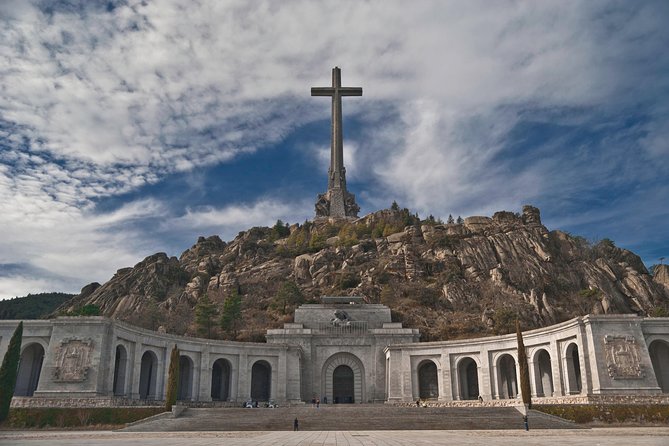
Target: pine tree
[[459, 220], [232, 311], [9, 371], [450, 220], [289, 295], [205, 311], [172, 380], [280, 230], [524, 370], [151, 317]]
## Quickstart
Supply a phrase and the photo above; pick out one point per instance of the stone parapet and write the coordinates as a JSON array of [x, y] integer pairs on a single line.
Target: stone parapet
[[576, 399], [83, 402]]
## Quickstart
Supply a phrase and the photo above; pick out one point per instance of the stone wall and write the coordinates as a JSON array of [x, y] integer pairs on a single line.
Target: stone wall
[[98, 362]]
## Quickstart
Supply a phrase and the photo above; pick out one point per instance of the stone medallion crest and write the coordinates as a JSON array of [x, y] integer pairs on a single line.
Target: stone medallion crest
[[73, 360], [622, 357]]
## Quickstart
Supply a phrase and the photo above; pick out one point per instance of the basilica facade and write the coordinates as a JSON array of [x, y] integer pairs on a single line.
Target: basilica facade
[[340, 351]]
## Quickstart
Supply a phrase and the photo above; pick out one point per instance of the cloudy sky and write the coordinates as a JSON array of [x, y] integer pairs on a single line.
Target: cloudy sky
[[132, 127]]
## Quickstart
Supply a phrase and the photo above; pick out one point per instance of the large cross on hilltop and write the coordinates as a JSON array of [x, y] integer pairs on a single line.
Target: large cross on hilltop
[[337, 202]]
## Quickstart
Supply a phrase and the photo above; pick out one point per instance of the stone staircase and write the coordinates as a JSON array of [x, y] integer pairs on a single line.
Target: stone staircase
[[350, 417]]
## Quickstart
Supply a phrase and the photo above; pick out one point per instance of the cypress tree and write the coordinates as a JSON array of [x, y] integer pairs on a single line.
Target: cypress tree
[[172, 379], [524, 370], [9, 370]]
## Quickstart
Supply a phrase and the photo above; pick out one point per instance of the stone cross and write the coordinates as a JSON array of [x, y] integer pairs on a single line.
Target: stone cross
[[337, 202]]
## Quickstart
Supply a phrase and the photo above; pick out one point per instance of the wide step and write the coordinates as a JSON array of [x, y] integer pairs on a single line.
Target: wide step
[[353, 417]]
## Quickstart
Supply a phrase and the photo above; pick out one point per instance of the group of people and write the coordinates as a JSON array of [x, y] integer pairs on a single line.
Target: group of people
[[316, 402]]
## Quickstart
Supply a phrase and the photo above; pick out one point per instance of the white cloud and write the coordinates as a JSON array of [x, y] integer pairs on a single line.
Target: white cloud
[[64, 244], [229, 220], [22, 285], [99, 104]]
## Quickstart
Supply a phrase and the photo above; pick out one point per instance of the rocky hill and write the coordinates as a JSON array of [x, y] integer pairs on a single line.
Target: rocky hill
[[449, 280]]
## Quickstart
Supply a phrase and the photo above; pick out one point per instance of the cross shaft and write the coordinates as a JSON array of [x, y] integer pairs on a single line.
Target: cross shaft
[[336, 173]]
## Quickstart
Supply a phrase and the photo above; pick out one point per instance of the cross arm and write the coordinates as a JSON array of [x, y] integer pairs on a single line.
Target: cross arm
[[322, 91], [349, 91]]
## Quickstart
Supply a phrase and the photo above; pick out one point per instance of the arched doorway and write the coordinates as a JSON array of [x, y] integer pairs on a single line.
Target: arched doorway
[[328, 377], [220, 380], [573, 369], [261, 381], [469, 379], [185, 387], [343, 385], [147, 376], [659, 357], [120, 366], [30, 368], [508, 383], [428, 385], [543, 373]]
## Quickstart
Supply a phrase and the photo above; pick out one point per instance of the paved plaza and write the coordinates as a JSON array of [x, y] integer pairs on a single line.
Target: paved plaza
[[587, 437]]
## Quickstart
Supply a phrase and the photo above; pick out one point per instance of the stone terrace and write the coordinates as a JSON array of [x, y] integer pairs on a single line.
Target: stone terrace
[[350, 417]]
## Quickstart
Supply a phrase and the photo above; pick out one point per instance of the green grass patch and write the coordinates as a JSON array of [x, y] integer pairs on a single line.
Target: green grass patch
[[58, 417], [608, 413]]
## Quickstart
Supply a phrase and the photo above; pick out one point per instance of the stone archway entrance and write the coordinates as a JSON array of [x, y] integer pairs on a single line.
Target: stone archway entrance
[[30, 367], [185, 387], [659, 357], [261, 381], [469, 379], [507, 381], [343, 385], [343, 379], [428, 384], [574, 384], [147, 376], [120, 366], [543, 374], [220, 380]]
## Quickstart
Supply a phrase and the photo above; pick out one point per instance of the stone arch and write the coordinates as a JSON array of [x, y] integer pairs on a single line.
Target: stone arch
[[428, 383], [221, 380], [659, 357], [148, 375], [185, 385], [506, 377], [354, 364], [543, 373], [573, 368], [468, 377], [120, 368], [30, 368], [261, 381]]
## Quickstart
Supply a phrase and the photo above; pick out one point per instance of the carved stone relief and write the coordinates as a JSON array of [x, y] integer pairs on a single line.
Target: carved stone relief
[[73, 360], [622, 357]]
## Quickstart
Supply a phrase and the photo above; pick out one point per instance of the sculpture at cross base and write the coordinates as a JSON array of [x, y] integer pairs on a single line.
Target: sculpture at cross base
[[337, 202]]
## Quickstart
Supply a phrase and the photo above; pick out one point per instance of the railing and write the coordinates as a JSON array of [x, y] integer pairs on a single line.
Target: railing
[[355, 328]]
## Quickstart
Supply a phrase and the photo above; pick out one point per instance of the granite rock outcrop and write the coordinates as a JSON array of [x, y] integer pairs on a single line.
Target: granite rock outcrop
[[448, 280]]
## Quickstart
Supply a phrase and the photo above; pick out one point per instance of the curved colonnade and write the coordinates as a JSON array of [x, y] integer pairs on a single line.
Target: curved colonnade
[[583, 356], [592, 355]]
